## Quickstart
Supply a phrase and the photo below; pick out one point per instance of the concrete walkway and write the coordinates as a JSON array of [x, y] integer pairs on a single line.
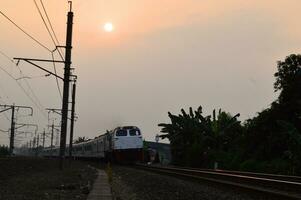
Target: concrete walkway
[[101, 189]]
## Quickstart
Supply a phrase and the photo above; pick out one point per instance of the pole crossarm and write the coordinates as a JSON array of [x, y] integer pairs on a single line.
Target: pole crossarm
[[22, 132], [22, 125], [10, 107], [56, 127], [29, 61], [58, 111], [5, 110], [39, 60], [4, 131]]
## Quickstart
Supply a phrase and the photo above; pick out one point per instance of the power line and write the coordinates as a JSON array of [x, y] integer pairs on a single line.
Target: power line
[[4, 112], [57, 81], [33, 93], [25, 92], [40, 106], [50, 24], [6, 56], [25, 31], [1, 100], [44, 22], [52, 38]]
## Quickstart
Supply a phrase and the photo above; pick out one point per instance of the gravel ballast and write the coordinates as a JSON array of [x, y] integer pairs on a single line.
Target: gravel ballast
[[41, 179], [135, 184]]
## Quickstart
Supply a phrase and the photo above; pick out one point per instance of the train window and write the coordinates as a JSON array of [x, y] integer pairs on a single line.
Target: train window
[[134, 132], [121, 132], [88, 147]]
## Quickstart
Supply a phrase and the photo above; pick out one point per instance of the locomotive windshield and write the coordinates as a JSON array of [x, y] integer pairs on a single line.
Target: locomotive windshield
[[121, 132], [134, 132], [126, 132]]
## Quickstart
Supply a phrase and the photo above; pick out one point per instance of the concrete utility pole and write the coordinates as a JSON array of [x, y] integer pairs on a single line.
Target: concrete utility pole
[[72, 119], [12, 131], [38, 141], [44, 139], [12, 126], [53, 127], [66, 87], [51, 140], [34, 142]]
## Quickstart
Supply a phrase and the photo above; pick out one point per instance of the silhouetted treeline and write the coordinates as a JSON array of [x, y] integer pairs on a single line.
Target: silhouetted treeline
[[269, 142], [4, 151]]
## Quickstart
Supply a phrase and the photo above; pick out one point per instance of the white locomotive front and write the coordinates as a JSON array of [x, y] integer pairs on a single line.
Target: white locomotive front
[[127, 143]]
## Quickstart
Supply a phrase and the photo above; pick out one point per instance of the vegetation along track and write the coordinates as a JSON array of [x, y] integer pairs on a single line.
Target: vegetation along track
[[280, 187]]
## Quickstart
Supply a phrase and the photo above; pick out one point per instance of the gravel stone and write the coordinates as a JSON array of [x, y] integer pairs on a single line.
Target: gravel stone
[[135, 184]]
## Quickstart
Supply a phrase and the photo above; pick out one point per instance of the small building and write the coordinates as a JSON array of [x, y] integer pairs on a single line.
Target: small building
[[162, 149]]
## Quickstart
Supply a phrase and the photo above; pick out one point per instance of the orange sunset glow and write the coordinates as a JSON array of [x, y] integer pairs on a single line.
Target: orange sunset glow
[[151, 52], [150, 99]]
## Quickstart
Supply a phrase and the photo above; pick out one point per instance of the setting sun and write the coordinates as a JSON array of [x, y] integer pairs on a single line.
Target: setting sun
[[108, 27]]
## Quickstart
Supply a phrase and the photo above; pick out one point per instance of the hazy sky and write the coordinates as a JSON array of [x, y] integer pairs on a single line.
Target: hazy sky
[[163, 55]]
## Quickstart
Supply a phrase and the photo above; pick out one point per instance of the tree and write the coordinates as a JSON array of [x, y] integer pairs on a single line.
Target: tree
[[275, 132], [194, 137], [80, 139], [288, 83], [4, 151]]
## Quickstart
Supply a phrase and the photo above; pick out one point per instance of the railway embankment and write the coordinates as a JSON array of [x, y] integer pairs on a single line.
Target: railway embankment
[[134, 184], [37, 178]]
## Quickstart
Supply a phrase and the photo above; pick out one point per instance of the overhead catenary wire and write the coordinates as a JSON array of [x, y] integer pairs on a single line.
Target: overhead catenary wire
[[25, 92], [52, 38], [32, 91], [41, 15], [51, 27], [3, 102], [30, 36], [6, 56], [57, 81], [39, 104]]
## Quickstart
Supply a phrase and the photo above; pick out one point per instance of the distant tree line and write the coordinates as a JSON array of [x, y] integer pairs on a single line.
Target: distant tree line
[[269, 142], [4, 151]]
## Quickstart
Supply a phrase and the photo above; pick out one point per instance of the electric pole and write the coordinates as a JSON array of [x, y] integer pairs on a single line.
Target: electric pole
[[51, 140], [12, 131], [52, 135], [66, 86], [44, 139], [12, 128], [38, 140], [72, 119]]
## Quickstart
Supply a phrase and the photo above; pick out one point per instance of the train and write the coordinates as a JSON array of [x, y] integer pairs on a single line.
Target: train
[[122, 144]]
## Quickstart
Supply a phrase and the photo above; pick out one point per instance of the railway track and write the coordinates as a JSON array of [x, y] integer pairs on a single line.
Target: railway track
[[253, 174], [276, 186]]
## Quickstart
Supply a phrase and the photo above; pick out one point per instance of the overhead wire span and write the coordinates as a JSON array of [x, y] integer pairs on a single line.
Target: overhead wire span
[[51, 27], [3, 102], [57, 81], [25, 92], [24, 31], [52, 38], [4, 112], [6, 56], [40, 106], [41, 15]]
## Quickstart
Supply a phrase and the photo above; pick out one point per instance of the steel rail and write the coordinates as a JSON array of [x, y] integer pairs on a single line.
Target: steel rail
[[252, 174], [266, 186]]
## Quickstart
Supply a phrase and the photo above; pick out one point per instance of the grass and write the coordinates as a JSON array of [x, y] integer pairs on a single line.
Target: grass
[[41, 179]]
